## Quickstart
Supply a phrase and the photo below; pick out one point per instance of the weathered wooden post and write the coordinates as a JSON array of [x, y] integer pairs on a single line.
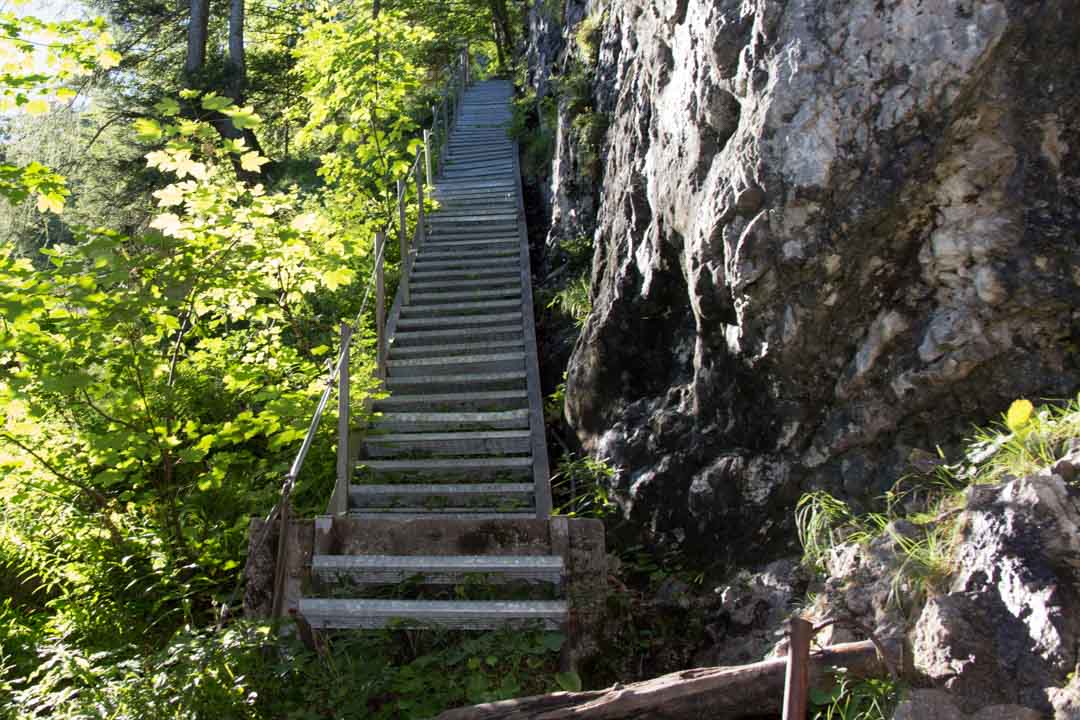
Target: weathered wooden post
[[341, 490], [380, 305], [421, 231], [427, 156], [797, 680], [403, 242]]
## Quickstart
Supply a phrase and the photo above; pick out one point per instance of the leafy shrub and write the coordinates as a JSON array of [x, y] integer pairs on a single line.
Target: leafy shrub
[[849, 699], [588, 36], [589, 129], [581, 486], [574, 300], [244, 672]]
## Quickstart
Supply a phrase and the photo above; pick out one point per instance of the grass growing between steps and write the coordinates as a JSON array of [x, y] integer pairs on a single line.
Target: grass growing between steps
[[239, 673]]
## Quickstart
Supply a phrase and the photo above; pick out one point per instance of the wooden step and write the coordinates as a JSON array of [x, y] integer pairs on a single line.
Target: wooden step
[[457, 365], [437, 569], [505, 262], [324, 613], [472, 382], [463, 514], [453, 251], [474, 273], [399, 352], [495, 333], [471, 468], [460, 308], [493, 401], [416, 496], [437, 298], [452, 420], [458, 321], [481, 442], [481, 243]]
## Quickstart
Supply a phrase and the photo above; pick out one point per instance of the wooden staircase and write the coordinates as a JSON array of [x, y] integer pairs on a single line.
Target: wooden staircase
[[458, 448]]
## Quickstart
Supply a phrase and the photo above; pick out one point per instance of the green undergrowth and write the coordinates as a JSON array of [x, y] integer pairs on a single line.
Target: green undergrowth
[[920, 514], [241, 672], [854, 699]]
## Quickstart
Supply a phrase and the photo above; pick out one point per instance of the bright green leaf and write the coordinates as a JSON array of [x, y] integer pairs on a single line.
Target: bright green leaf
[[147, 130], [213, 101]]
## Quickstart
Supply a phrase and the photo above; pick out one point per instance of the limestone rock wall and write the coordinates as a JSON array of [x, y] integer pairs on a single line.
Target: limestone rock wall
[[828, 233]]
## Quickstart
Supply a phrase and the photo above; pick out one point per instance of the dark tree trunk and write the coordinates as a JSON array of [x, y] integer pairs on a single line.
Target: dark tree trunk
[[197, 32], [237, 66]]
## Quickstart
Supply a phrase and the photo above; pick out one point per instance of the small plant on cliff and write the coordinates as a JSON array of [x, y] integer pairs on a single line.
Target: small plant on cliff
[[589, 130], [588, 38], [1029, 439], [574, 300], [580, 484]]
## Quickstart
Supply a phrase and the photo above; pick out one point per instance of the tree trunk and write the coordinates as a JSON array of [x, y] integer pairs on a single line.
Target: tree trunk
[[717, 693], [499, 41], [504, 35], [236, 68], [376, 6], [197, 32]]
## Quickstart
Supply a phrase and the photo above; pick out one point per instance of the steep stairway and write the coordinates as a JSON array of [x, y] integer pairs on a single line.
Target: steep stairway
[[458, 446]]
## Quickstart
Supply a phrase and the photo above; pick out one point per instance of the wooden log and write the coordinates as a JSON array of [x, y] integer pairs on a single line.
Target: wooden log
[[717, 693]]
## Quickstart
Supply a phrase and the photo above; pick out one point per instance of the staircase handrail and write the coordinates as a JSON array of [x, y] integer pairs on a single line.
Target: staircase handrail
[[338, 372]]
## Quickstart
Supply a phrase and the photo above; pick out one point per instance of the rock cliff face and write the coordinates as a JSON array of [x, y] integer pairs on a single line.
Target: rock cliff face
[[828, 233]]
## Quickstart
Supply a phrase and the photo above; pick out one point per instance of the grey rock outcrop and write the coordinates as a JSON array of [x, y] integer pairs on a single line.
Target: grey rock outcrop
[[829, 233], [1002, 627], [1008, 629], [938, 705]]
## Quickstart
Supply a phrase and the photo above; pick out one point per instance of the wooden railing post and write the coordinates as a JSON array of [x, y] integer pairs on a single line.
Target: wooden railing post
[[403, 242], [380, 305], [797, 680], [421, 231], [340, 502], [427, 156], [281, 563]]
